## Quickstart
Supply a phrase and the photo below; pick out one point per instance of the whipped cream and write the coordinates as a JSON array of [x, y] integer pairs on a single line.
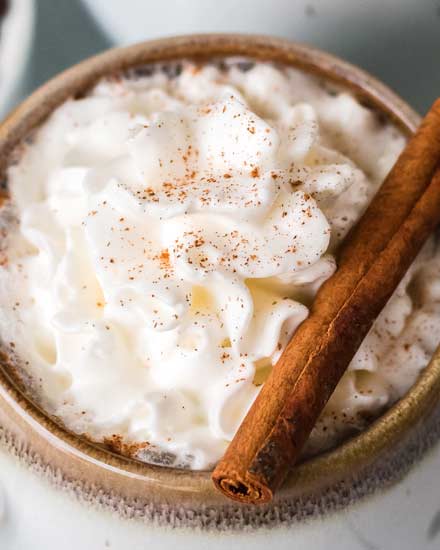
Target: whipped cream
[[171, 231]]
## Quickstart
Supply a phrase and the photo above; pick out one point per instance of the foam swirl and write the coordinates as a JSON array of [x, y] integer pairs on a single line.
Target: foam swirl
[[173, 232]]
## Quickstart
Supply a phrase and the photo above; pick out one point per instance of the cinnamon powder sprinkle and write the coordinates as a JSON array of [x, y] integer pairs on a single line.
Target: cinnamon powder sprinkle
[[255, 173]]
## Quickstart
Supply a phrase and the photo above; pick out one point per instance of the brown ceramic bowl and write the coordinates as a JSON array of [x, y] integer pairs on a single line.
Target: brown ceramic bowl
[[157, 491]]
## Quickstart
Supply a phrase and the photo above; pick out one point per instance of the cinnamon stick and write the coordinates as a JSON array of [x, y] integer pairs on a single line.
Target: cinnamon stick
[[371, 263]]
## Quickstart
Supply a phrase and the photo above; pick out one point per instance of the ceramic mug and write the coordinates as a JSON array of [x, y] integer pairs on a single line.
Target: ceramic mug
[[175, 496]]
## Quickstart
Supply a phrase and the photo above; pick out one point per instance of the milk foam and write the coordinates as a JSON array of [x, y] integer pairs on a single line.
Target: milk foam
[[172, 234]]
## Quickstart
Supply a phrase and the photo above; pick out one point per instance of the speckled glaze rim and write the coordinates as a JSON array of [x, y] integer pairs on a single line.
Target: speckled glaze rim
[[80, 460]]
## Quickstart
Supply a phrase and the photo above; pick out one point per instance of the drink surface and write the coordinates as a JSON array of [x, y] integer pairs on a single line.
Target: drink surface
[[166, 236]]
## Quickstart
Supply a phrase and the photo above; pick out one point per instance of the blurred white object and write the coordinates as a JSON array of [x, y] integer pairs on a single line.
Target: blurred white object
[[312, 20], [398, 40], [16, 34]]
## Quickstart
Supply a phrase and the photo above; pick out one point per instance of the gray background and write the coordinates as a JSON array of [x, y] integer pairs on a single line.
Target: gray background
[[64, 35], [398, 42]]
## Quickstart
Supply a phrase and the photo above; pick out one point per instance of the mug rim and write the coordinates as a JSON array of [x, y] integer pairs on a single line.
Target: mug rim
[[90, 462]]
